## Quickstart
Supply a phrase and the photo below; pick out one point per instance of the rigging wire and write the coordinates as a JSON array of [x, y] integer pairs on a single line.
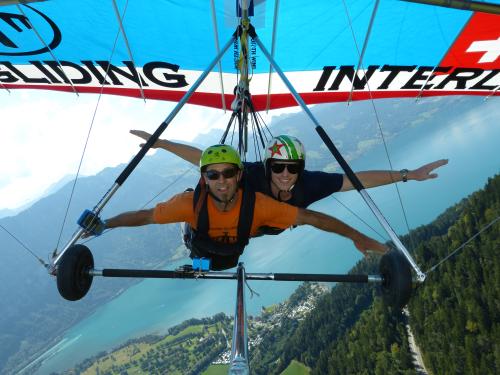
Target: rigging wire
[[493, 93], [88, 137], [190, 169], [463, 245], [359, 218], [333, 38], [255, 143], [217, 49], [25, 246], [379, 124], [400, 32], [252, 292], [260, 129], [46, 46], [273, 48], [243, 111], [127, 44], [422, 89], [363, 50], [5, 87]]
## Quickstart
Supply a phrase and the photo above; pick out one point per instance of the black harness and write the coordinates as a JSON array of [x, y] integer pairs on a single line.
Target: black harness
[[297, 200], [222, 253]]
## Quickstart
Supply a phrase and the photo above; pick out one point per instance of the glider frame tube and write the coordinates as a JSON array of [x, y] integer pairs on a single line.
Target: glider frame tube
[[239, 346], [347, 169], [142, 152]]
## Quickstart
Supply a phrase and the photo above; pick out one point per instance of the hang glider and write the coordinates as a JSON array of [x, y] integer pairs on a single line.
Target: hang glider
[[330, 51], [166, 58], [307, 56], [180, 51]]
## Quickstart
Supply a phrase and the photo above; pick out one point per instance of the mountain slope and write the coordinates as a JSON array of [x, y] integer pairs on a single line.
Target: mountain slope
[[454, 314], [37, 315]]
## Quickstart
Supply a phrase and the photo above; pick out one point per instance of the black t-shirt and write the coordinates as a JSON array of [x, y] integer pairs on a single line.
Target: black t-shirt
[[311, 187]]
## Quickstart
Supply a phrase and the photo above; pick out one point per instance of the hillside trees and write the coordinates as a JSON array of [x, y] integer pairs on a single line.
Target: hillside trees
[[455, 314]]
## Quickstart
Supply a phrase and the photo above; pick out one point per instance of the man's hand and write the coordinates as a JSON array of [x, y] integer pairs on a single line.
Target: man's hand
[[92, 224], [95, 226], [368, 245], [424, 172], [188, 153], [144, 135]]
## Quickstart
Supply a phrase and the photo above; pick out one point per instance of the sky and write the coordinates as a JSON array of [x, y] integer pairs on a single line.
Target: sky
[[44, 133]]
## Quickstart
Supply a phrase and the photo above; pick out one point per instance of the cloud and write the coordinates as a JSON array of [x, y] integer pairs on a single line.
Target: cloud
[[44, 135]]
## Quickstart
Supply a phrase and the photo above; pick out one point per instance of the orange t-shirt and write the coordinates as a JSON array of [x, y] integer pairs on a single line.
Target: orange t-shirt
[[223, 226]]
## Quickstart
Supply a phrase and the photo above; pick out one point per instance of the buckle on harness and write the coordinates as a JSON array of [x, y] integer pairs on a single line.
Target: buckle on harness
[[201, 264]]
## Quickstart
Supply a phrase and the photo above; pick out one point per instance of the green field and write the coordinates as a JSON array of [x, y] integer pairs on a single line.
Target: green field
[[216, 370], [169, 354], [296, 368]]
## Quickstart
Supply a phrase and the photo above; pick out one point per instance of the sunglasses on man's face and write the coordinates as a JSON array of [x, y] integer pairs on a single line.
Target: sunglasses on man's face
[[280, 167], [226, 173]]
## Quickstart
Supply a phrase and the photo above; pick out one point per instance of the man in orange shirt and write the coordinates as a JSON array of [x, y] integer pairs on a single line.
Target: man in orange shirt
[[224, 216]]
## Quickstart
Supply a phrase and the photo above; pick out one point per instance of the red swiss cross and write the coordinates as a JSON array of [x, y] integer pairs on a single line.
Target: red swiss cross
[[478, 45], [276, 149]]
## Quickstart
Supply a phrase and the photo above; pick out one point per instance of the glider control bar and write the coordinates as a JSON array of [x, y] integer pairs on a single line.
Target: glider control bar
[[340, 159], [76, 272], [169, 274], [142, 152], [239, 347]]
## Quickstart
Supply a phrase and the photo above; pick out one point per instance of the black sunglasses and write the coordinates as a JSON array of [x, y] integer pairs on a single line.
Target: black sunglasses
[[292, 168], [226, 173]]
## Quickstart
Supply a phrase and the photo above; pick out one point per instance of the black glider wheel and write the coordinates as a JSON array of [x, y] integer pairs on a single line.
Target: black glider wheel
[[397, 281], [73, 279]]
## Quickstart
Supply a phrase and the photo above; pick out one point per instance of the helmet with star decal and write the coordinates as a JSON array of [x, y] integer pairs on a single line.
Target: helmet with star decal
[[285, 147]]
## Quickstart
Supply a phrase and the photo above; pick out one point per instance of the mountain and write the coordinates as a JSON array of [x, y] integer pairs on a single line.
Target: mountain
[[37, 315], [4, 212], [454, 314], [50, 190], [357, 128]]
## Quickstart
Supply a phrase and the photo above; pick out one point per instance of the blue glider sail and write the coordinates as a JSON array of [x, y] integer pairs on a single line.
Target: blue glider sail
[[329, 51]]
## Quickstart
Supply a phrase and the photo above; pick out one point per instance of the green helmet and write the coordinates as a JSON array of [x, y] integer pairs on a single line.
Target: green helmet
[[220, 154]]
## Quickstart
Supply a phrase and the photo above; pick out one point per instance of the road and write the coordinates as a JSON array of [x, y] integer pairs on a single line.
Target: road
[[415, 350]]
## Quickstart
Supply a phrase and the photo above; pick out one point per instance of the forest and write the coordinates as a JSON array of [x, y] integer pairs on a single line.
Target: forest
[[454, 314]]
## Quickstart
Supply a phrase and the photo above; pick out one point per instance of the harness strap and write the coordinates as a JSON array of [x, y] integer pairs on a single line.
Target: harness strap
[[246, 214], [199, 199], [201, 241]]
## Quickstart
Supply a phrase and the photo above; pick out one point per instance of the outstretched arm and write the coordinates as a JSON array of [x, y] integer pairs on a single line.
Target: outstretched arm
[[188, 153], [377, 178], [331, 224], [131, 219], [126, 219]]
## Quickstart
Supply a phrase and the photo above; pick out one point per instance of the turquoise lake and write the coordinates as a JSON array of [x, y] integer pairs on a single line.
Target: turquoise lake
[[152, 306]]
